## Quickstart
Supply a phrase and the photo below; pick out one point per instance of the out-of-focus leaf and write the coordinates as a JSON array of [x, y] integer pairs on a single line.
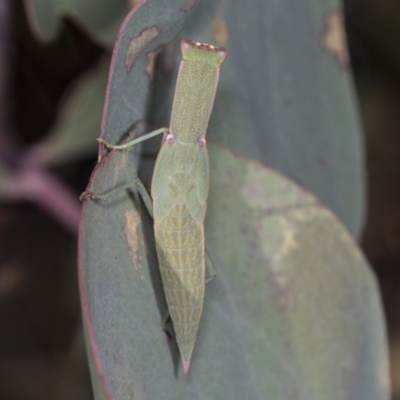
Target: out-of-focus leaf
[[101, 18], [285, 95], [40, 187], [78, 124], [293, 312]]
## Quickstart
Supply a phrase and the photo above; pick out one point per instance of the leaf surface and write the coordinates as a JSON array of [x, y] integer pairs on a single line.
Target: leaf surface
[[293, 312]]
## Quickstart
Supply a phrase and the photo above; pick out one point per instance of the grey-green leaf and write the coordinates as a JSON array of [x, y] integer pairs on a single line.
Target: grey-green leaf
[[78, 124], [293, 313]]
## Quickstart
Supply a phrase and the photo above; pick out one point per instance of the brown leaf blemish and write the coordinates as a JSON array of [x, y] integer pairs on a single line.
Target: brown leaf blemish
[[189, 5], [132, 222], [334, 37], [220, 31], [151, 63], [138, 43]]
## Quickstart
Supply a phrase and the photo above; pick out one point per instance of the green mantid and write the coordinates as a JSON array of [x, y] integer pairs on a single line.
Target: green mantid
[[179, 190]]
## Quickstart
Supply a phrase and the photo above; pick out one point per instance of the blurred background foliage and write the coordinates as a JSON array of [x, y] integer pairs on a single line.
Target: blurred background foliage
[[54, 59]]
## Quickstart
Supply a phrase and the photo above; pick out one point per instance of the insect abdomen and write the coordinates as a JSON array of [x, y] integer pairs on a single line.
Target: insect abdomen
[[180, 248]]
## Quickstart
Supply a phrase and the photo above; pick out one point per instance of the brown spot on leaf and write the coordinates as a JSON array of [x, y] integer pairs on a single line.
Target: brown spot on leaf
[[189, 5], [151, 63], [334, 37], [132, 220], [220, 31], [138, 43]]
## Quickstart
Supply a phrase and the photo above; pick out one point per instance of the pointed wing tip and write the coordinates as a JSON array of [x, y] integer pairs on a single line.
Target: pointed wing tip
[[186, 365]]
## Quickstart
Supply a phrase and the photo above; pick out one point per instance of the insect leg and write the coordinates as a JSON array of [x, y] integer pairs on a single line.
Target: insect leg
[[132, 142], [210, 269], [105, 196], [145, 195], [134, 182]]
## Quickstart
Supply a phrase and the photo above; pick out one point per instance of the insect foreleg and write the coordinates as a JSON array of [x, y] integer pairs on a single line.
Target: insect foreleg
[[145, 195], [134, 141], [134, 182], [105, 196]]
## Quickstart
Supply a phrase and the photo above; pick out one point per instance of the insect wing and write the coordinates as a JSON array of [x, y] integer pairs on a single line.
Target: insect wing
[[196, 197], [163, 192]]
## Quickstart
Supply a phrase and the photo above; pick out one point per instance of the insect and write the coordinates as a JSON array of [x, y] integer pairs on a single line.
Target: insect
[[179, 190]]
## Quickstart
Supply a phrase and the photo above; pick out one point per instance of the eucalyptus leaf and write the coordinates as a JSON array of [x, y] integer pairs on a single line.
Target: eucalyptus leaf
[[293, 312]]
